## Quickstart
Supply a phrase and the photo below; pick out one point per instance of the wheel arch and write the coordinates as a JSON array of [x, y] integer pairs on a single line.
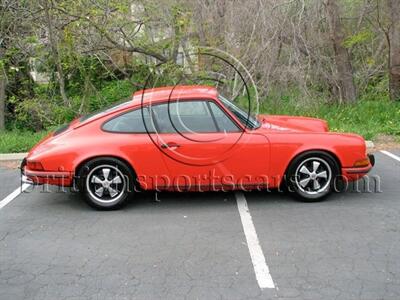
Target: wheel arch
[[316, 150], [86, 160]]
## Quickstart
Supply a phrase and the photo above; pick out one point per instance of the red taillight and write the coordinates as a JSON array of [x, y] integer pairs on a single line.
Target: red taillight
[[34, 166]]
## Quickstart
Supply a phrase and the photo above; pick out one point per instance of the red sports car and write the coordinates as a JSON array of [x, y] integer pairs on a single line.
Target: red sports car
[[191, 138]]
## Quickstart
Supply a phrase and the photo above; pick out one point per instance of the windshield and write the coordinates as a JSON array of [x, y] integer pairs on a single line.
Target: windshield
[[244, 117]]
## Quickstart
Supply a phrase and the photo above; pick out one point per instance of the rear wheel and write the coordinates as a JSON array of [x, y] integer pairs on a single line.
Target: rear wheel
[[106, 183], [312, 175]]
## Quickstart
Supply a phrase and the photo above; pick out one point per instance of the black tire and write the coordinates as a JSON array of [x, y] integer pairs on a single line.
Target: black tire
[[106, 183], [311, 176]]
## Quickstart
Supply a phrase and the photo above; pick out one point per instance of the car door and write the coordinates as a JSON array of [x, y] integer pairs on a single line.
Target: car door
[[134, 136], [205, 149]]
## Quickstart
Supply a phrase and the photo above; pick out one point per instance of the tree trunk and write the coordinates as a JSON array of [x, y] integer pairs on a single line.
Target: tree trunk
[[345, 78], [394, 50], [56, 56], [3, 83], [2, 99]]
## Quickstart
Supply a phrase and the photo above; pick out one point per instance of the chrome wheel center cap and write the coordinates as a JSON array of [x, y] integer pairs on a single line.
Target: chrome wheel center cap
[[313, 176], [106, 184]]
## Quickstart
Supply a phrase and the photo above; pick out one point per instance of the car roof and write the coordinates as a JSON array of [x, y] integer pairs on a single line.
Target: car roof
[[174, 92], [154, 95]]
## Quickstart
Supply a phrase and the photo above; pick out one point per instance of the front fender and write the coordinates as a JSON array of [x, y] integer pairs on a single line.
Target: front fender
[[346, 148]]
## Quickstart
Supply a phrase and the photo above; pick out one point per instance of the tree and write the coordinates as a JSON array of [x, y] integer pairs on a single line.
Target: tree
[[3, 76], [2, 92], [13, 31], [345, 78], [55, 53], [310, 48], [113, 25], [394, 49]]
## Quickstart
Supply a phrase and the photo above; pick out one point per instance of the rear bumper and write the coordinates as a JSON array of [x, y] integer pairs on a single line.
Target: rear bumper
[[61, 178], [352, 174]]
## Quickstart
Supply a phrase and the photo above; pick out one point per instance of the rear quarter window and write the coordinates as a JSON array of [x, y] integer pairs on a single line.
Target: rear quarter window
[[130, 122]]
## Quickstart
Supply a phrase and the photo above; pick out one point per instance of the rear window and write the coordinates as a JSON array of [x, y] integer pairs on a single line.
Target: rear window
[[61, 129]]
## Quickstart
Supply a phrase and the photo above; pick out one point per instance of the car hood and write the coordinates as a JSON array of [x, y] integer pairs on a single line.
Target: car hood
[[293, 124]]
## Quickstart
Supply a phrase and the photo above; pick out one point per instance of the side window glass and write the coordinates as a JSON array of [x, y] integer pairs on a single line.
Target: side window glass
[[131, 122], [225, 124], [184, 116]]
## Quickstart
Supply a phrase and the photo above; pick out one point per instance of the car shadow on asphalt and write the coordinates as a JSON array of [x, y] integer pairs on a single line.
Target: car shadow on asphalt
[[196, 200]]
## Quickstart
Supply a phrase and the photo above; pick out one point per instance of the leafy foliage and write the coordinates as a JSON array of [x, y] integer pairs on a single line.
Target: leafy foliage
[[374, 114], [358, 38], [103, 51]]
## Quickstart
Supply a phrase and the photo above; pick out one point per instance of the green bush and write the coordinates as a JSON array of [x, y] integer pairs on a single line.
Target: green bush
[[43, 112], [372, 115], [19, 141]]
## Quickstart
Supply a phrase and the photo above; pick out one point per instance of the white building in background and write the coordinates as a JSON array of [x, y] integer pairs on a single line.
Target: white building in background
[[39, 77]]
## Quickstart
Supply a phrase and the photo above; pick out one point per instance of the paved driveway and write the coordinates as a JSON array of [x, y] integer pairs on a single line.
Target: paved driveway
[[194, 246]]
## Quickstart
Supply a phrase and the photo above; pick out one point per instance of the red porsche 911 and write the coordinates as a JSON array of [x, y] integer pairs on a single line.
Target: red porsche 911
[[191, 138]]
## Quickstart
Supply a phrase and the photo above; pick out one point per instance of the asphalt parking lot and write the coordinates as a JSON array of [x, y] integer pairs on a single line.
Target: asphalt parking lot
[[193, 246]]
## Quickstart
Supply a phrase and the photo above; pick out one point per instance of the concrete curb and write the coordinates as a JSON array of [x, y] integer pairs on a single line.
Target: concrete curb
[[19, 156], [12, 156], [370, 145]]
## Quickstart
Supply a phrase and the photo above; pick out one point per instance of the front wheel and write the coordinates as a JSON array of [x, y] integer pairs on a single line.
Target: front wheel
[[105, 183], [311, 176]]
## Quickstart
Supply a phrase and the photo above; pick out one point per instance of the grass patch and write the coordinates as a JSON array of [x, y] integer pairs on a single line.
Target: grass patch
[[368, 118], [371, 116], [19, 141]]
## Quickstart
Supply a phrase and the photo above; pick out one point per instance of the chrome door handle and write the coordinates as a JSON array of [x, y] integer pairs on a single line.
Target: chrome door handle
[[170, 145]]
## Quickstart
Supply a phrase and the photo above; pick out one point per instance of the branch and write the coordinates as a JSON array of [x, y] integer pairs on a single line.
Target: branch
[[104, 33]]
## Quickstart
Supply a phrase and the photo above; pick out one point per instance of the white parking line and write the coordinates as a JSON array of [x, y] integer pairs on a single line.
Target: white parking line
[[13, 195], [261, 269], [390, 155]]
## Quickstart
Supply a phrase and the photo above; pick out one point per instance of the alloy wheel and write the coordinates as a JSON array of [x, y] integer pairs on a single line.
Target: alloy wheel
[[106, 183], [313, 176]]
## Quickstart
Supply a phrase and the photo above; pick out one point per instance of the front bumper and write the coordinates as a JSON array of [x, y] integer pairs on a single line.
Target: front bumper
[[61, 178], [352, 174], [371, 159]]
